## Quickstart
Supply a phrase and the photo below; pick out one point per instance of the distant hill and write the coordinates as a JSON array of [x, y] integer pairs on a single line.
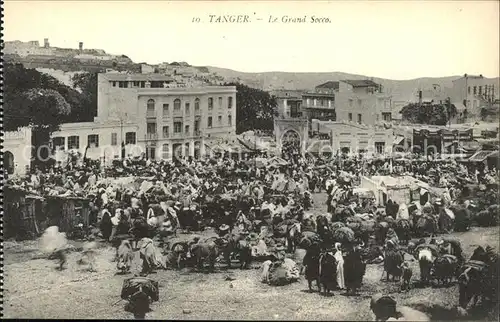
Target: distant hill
[[47, 60], [400, 89]]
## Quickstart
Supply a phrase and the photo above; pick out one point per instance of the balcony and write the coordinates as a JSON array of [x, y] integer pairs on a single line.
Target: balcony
[[318, 106], [150, 115], [151, 137]]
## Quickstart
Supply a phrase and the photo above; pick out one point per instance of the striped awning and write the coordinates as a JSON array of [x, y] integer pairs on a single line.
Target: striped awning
[[480, 156]]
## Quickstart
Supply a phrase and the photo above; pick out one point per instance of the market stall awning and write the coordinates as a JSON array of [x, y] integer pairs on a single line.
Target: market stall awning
[[250, 145], [398, 139], [480, 156], [277, 161]]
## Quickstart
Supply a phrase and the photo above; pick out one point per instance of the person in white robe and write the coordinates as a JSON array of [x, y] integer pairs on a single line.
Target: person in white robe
[[340, 266]]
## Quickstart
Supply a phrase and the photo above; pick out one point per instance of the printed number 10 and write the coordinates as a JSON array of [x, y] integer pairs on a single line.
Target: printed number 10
[[196, 19]]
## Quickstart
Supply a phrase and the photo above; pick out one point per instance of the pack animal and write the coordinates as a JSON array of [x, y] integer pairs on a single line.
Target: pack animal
[[425, 261], [445, 268], [392, 263]]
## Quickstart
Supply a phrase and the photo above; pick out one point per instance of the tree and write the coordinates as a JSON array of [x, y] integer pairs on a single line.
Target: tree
[[255, 109], [36, 100], [429, 113], [87, 84]]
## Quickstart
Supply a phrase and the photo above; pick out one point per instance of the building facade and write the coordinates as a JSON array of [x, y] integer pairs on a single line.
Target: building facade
[[150, 114], [320, 103], [290, 125], [348, 137], [357, 101], [473, 93], [17, 151], [289, 103]]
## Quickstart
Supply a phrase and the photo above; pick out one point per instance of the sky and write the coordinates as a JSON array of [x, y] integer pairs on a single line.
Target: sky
[[387, 39]]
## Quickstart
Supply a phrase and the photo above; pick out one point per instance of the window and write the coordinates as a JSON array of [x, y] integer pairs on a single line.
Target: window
[[130, 138], [350, 117], [93, 141], [73, 142], [150, 108], [177, 127], [151, 128], [150, 153], [359, 118], [165, 110], [229, 120], [114, 84], [209, 123], [123, 84], [468, 90], [380, 147], [359, 102], [143, 84], [197, 104], [230, 102], [177, 105], [219, 120], [220, 101], [136, 84], [58, 143], [187, 108], [480, 90], [210, 103], [157, 84], [387, 116], [165, 149], [350, 102], [197, 127], [475, 90], [165, 132], [186, 129], [114, 139]]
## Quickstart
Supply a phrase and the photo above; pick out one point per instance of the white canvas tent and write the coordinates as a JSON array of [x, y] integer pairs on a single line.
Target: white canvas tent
[[399, 189]]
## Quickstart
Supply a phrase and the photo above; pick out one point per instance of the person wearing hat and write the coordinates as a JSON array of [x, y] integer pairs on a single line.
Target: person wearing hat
[[223, 231]]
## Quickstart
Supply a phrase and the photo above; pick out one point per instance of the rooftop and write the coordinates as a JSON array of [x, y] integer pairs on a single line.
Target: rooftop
[[135, 77], [329, 84], [469, 76], [314, 94], [361, 83]]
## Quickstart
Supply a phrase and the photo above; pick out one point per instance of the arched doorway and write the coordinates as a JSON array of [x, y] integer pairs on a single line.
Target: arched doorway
[[8, 158], [290, 144]]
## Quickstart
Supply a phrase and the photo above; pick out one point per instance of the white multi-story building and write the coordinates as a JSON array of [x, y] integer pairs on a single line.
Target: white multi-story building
[[149, 113]]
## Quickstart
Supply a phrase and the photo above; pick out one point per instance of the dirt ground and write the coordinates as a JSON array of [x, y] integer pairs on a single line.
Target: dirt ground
[[33, 288]]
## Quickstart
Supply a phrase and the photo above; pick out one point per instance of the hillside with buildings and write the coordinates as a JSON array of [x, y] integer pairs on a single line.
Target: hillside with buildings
[[404, 90], [62, 63]]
